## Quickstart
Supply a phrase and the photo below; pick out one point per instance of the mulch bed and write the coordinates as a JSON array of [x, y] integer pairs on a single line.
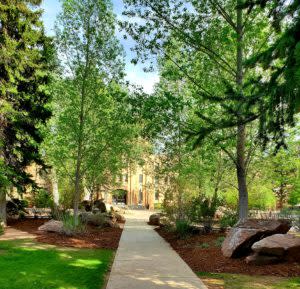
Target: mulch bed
[[212, 260], [106, 238]]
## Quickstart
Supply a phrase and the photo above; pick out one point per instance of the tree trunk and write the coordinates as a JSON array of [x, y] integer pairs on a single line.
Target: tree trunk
[[3, 207], [241, 173], [55, 191], [241, 129]]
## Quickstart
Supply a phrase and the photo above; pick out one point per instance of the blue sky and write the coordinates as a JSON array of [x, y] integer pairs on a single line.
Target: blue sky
[[135, 73]]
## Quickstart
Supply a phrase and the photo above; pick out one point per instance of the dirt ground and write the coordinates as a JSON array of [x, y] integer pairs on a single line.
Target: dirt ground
[[106, 238], [203, 254]]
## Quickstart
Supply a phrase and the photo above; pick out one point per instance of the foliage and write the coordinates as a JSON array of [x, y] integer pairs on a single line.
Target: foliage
[[229, 219], [279, 93], [204, 246], [16, 207], [182, 228], [26, 61], [203, 209], [42, 199], [52, 267], [220, 240], [201, 47], [91, 133], [72, 226]]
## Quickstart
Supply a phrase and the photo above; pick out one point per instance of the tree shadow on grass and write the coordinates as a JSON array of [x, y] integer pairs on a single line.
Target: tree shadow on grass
[[28, 265]]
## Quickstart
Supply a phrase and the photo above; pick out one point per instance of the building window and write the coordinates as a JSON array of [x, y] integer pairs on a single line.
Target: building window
[[140, 179], [140, 196], [156, 195]]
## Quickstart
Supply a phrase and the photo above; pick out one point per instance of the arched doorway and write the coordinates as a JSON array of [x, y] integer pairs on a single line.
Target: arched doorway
[[120, 196]]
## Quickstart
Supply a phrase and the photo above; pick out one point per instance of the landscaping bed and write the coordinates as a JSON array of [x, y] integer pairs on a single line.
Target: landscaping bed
[[107, 238], [203, 254]]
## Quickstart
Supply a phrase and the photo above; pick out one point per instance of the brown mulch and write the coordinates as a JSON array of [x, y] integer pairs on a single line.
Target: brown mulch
[[106, 238], [212, 260]]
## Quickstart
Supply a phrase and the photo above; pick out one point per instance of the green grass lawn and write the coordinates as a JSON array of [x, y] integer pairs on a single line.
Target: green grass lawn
[[29, 265], [237, 281]]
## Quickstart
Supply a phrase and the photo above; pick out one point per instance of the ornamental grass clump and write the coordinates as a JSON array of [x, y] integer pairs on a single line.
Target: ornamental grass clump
[[72, 226]]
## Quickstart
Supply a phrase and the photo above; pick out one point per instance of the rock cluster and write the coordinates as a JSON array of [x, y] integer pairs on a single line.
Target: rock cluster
[[265, 241], [274, 249], [240, 238]]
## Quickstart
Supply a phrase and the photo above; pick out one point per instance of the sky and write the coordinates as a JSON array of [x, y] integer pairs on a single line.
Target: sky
[[135, 73]]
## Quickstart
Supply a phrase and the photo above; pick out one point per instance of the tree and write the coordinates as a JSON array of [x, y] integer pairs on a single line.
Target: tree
[[212, 34], [279, 93], [26, 60], [89, 100]]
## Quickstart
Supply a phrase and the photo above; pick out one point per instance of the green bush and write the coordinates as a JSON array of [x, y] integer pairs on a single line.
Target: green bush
[[98, 219], [16, 207], [42, 199], [204, 246], [71, 226], [219, 241], [229, 219], [202, 210], [157, 206], [183, 228]]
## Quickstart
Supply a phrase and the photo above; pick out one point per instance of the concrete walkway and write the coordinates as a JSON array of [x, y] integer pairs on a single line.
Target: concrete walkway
[[145, 261], [13, 234]]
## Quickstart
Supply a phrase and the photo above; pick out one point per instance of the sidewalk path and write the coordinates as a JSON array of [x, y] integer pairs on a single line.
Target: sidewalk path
[[13, 234], [145, 261]]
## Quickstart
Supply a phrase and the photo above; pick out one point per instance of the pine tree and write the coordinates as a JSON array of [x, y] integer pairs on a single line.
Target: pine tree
[[25, 63], [279, 95]]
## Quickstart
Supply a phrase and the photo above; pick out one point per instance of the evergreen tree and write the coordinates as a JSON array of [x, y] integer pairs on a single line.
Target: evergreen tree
[[279, 94], [25, 60]]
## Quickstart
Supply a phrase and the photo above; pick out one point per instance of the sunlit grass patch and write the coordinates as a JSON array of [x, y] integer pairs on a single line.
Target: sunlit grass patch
[[29, 265], [239, 281]]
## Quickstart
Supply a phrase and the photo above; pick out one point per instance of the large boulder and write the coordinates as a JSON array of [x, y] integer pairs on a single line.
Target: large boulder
[[120, 218], [52, 226], [285, 246], [240, 238], [154, 220], [102, 220], [256, 259], [99, 204]]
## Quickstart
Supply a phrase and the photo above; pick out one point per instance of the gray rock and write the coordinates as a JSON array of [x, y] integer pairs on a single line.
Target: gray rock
[[52, 226], [240, 238], [257, 259], [154, 220], [283, 245]]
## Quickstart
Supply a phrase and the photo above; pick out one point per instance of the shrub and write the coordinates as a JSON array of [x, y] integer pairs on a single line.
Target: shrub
[[204, 245], [182, 228], [157, 206], [229, 219], [219, 241], [42, 199], [70, 226], [98, 219], [16, 207], [202, 210]]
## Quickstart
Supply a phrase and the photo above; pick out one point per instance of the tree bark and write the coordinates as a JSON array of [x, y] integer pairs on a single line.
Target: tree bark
[[241, 173], [81, 125], [241, 129], [3, 207]]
